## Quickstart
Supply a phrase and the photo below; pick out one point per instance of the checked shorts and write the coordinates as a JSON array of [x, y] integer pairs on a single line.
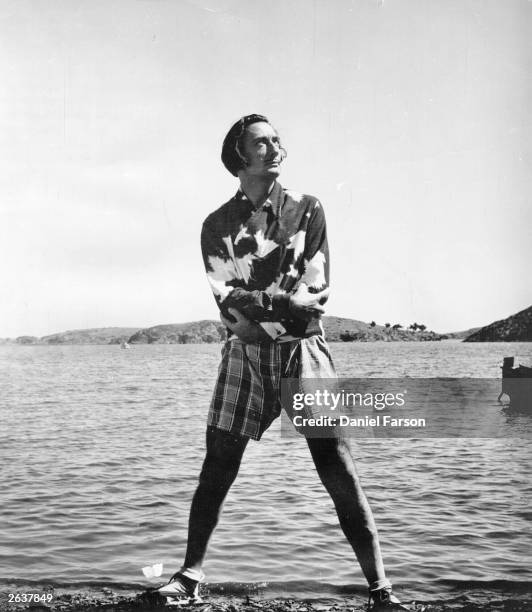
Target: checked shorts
[[246, 397]]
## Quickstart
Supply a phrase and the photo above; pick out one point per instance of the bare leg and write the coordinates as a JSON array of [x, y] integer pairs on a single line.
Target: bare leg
[[336, 469], [220, 468]]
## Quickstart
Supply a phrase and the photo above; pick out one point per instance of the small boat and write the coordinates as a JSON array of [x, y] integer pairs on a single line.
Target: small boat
[[124, 345], [516, 383]]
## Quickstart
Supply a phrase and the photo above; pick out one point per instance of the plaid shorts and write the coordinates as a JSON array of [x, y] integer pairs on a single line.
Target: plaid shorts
[[246, 397]]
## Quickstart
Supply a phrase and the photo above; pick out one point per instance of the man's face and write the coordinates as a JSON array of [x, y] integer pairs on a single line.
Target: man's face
[[261, 146]]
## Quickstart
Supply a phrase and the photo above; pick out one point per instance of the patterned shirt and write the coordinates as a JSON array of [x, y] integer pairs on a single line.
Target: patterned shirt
[[255, 258]]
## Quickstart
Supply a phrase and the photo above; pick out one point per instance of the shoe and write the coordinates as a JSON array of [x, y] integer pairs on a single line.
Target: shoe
[[384, 600], [181, 590]]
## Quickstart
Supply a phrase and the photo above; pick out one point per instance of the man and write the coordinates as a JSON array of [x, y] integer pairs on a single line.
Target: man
[[267, 261]]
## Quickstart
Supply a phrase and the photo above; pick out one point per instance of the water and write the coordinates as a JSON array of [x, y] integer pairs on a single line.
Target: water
[[101, 450]]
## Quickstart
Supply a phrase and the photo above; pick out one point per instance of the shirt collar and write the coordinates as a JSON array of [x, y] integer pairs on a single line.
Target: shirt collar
[[274, 201]]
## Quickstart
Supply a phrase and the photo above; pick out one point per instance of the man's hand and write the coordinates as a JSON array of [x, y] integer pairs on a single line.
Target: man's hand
[[248, 331], [305, 305]]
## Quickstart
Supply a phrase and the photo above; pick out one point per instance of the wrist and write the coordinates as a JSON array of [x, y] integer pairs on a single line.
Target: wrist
[[281, 305], [290, 305]]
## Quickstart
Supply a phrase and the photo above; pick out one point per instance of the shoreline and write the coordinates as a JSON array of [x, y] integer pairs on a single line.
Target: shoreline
[[217, 598]]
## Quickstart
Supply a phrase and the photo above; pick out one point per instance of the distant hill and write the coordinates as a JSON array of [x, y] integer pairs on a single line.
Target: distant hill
[[197, 332], [99, 335], [27, 340], [460, 335], [516, 328], [337, 329]]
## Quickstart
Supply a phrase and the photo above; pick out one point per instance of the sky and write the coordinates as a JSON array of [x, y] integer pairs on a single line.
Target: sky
[[410, 120]]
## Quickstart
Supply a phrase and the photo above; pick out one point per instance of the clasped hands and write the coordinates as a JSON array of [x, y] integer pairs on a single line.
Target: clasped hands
[[302, 304]]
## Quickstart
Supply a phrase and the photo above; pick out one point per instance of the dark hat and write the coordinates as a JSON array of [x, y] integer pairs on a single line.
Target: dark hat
[[232, 157]]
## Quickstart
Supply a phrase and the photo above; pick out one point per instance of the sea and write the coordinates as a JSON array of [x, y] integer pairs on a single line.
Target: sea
[[101, 450]]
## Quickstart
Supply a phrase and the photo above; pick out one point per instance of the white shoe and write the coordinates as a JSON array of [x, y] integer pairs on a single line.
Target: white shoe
[[182, 590]]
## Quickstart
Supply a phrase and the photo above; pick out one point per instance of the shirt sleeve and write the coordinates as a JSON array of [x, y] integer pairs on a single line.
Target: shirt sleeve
[[316, 254], [224, 276]]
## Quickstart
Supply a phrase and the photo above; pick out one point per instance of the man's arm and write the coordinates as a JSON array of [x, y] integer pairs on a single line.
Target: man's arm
[[247, 331], [223, 274], [224, 271], [316, 255], [312, 290]]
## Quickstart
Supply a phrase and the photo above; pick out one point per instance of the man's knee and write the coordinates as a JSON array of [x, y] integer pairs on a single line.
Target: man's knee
[[223, 457]]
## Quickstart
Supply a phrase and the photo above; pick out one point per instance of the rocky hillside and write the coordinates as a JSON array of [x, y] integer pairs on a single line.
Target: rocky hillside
[[99, 335], [103, 335], [337, 329], [460, 335], [516, 328], [26, 340], [181, 333]]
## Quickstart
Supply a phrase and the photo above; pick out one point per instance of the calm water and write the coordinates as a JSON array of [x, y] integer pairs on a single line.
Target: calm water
[[101, 449]]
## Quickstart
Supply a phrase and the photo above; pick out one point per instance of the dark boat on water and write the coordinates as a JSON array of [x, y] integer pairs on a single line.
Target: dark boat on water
[[516, 383]]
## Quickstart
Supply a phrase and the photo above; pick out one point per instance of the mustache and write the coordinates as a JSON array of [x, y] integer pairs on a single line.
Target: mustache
[[279, 157]]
